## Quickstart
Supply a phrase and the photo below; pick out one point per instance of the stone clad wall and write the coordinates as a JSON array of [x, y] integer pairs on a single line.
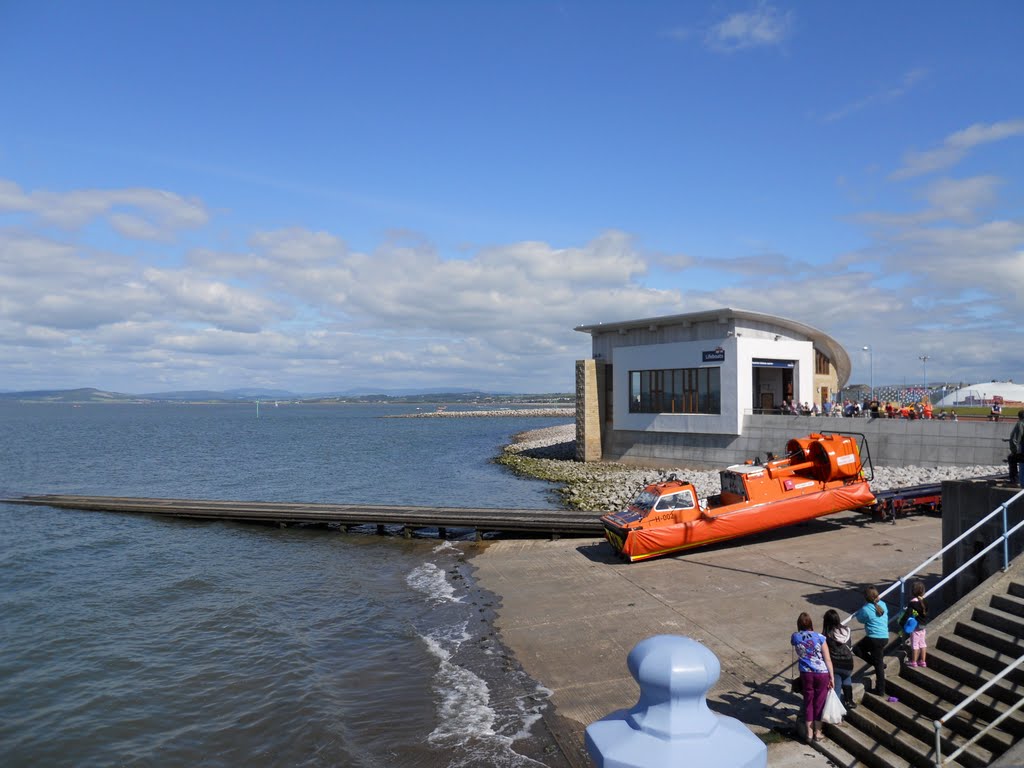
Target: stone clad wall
[[589, 409], [891, 442]]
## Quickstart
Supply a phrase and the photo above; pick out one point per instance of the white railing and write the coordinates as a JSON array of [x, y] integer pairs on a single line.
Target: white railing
[[1003, 539], [939, 761]]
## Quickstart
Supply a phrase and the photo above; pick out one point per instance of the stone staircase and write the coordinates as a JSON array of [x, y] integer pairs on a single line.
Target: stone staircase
[[967, 645]]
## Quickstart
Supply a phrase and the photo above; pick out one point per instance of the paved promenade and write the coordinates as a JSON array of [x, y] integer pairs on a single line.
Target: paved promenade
[[571, 612]]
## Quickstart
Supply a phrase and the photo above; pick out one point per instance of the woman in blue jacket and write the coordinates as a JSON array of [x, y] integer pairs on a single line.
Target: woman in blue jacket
[[874, 615]]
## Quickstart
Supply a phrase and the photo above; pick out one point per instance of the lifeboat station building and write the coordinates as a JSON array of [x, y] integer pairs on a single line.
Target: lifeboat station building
[[691, 387]]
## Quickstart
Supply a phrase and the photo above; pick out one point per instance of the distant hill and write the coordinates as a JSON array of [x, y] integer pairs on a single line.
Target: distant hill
[[194, 395], [83, 395], [363, 391], [92, 395]]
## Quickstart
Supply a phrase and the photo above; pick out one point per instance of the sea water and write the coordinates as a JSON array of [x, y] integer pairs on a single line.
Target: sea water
[[137, 640]]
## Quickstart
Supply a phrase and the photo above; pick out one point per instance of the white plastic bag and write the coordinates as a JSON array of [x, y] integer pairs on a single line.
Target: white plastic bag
[[834, 711]]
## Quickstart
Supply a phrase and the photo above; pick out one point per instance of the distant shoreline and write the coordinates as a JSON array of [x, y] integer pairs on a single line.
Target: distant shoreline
[[503, 412]]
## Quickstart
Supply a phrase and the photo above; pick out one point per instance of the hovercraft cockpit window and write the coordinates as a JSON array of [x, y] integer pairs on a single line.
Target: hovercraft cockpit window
[[681, 500], [644, 501]]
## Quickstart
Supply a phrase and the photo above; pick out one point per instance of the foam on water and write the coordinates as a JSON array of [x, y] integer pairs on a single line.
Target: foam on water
[[431, 580], [468, 722], [473, 727]]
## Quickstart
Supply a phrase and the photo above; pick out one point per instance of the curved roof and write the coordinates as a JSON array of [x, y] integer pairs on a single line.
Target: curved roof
[[985, 391], [821, 340]]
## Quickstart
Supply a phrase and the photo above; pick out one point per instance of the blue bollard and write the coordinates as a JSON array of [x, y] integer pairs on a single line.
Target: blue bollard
[[671, 724]]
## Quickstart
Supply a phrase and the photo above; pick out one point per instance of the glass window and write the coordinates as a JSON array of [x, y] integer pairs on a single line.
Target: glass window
[[676, 390]]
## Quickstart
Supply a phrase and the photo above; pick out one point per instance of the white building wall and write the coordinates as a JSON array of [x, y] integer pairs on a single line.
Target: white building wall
[[736, 380]]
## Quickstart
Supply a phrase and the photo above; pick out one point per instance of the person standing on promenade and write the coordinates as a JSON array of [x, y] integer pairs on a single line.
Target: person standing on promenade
[[840, 651], [1017, 451], [816, 674], [874, 615]]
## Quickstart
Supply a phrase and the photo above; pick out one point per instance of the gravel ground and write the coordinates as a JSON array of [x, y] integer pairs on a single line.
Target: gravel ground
[[550, 453]]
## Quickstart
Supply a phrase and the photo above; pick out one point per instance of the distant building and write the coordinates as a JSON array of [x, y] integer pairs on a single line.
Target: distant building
[[694, 377], [984, 394]]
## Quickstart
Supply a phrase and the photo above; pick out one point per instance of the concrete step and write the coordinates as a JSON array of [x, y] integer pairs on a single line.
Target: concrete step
[[1003, 642], [856, 739], [1009, 604], [982, 655], [838, 756], [887, 743], [1000, 620], [1007, 691], [952, 691], [911, 734], [1015, 588], [909, 688]]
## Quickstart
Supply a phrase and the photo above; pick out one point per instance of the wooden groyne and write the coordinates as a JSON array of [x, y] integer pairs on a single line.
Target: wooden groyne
[[547, 522]]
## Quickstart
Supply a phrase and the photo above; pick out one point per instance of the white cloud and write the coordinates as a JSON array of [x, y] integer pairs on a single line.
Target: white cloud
[[761, 27], [301, 305], [300, 309], [145, 214], [955, 147], [884, 95], [960, 200]]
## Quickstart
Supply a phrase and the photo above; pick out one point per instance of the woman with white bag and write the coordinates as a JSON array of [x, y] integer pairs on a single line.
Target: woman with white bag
[[816, 674]]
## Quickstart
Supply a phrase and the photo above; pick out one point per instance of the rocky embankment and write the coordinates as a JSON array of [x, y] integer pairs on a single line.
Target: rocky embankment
[[549, 454]]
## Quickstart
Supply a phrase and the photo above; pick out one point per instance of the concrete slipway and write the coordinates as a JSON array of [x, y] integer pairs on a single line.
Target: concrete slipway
[[571, 612]]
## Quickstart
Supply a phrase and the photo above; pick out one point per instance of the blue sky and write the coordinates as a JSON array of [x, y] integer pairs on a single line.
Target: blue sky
[[329, 195]]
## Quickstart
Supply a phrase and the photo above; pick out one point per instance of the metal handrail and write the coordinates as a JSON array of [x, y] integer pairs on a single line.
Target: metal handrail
[[939, 762], [1003, 539]]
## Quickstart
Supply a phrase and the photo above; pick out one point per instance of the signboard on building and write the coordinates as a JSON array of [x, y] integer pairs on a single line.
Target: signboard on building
[[716, 355], [761, 363]]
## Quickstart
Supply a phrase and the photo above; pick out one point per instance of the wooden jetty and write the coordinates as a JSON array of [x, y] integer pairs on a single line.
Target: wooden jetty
[[548, 522]]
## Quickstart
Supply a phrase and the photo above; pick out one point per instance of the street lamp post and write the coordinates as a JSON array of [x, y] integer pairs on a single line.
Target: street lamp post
[[924, 362], [871, 352]]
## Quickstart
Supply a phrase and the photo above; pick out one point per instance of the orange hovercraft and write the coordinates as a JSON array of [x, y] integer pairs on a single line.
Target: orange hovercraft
[[820, 475]]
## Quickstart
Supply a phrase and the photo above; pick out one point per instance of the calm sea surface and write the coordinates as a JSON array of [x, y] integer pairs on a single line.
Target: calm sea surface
[[138, 641]]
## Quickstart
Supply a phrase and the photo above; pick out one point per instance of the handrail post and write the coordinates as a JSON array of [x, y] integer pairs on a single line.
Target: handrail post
[[1006, 539], [903, 593], [938, 743]]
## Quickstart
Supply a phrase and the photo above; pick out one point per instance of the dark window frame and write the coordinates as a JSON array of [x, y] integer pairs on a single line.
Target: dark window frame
[[676, 390], [822, 365]]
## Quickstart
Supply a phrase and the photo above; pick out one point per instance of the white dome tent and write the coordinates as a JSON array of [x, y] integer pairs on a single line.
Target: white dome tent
[[983, 394]]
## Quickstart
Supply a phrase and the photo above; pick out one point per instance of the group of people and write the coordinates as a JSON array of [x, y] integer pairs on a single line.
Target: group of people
[[868, 409], [825, 660]]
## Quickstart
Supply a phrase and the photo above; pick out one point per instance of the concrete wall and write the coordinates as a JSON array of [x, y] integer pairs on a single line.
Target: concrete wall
[[964, 503], [891, 442]]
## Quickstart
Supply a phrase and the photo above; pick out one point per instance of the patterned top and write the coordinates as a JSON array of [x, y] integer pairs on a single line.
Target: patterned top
[[808, 651]]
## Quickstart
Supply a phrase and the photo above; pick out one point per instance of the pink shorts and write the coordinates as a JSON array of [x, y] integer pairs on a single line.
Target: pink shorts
[[918, 639]]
